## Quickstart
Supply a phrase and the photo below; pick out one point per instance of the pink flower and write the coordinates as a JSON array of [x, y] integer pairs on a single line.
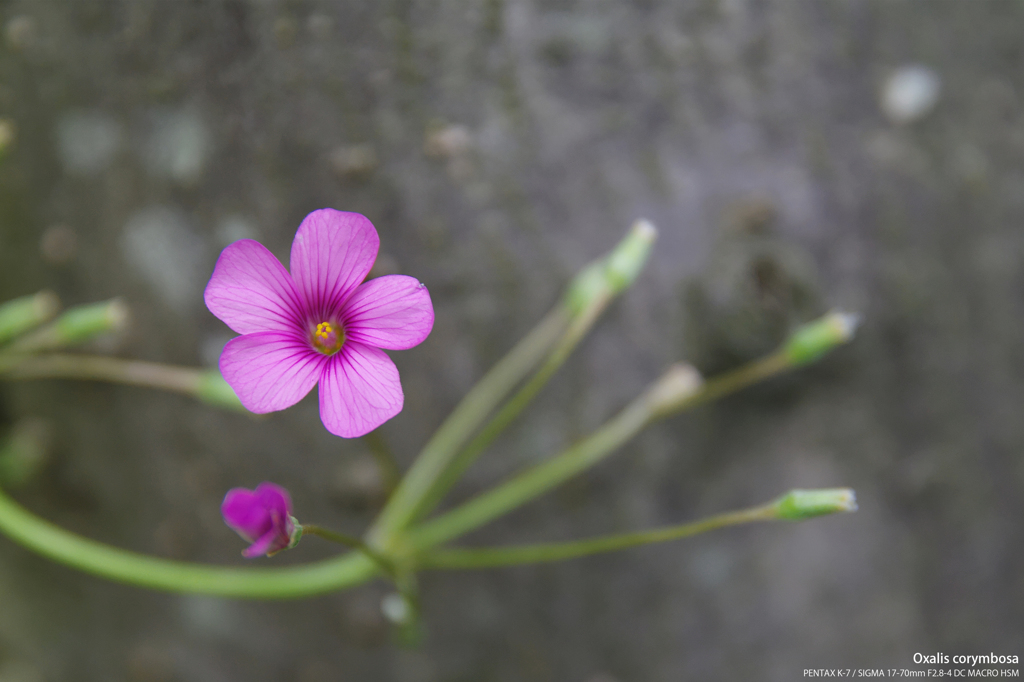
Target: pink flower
[[320, 323], [262, 517]]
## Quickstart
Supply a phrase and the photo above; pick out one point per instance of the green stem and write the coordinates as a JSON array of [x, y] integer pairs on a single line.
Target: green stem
[[473, 408], [531, 554], [534, 481], [588, 294], [727, 383], [206, 385], [175, 576], [133, 372], [579, 327], [652, 404], [409, 630], [353, 542]]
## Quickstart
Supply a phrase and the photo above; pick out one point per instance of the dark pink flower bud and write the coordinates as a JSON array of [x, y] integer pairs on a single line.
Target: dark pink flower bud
[[262, 517]]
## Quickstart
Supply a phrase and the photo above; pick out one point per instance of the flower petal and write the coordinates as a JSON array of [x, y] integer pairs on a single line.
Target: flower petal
[[244, 514], [392, 312], [263, 545], [273, 496], [332, 253], [270, 371], [359, 391], [250, 291]]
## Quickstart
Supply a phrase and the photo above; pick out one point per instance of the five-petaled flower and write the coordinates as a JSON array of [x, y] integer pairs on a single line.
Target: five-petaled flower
[[262, 517], [320, 323]]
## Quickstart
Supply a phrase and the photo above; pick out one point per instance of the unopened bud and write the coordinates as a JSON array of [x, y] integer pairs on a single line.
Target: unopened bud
[[797, 505], [77, 325], [679, 383], [612, 274], [812, 340], [629, 257], [25, 313]]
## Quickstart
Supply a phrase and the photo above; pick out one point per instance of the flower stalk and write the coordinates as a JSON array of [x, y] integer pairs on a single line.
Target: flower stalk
[[443, 461], [465, 457], [796, 505], [384, 563], [205, 385], [677, 390], [466, 416]]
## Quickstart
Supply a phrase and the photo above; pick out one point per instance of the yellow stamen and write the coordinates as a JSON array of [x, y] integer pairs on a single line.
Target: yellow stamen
[[323, 330], [328, 337]]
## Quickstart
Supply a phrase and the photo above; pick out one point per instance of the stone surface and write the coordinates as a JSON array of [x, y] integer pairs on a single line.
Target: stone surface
[[501, 146]]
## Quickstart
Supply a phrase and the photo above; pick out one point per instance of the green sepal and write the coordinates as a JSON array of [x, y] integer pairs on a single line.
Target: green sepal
[[628, 258], [296, 532], [23, 314], [85, 322], [812, 340], [797, 505], [76, 325], [612, 274]]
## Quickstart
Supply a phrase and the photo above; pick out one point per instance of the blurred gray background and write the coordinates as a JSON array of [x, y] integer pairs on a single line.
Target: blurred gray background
[[796, 156]]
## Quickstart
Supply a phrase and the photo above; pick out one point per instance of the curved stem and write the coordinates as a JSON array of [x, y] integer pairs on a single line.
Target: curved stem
[[176, 576], [531, 554]]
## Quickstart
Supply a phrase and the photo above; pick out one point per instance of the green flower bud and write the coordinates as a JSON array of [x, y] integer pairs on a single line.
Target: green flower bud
[[626, 261], [678, 384], [82, 323], [612, 274], [812, 340], [797, 505], [77, 325], [22, 314]]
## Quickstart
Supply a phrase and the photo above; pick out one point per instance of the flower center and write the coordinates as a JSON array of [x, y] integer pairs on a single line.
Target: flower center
[[328, 338]]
